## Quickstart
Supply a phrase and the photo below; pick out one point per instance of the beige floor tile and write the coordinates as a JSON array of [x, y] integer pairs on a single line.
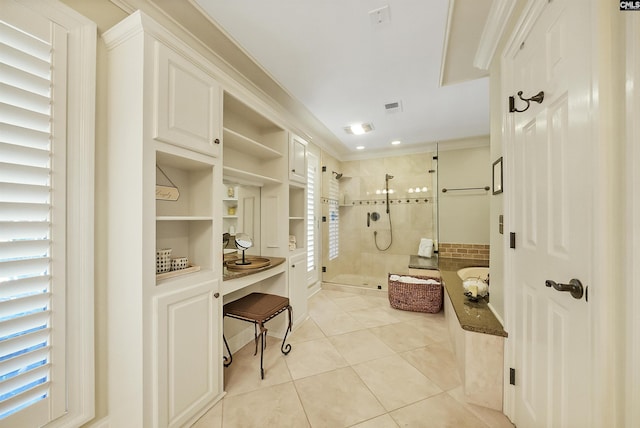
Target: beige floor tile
[[337, 323], [323, 307], [354, 303], [211, 419], [337, 399], [335, 294], [403, 336], [404, 315], [491, 417], [395, 382], [384, 421], [346, 375], [436, 362], [359, 346], [307, 330], [275, 406], [244, 372], [441, 411], [373, 317], [313, 357], [434, 327]]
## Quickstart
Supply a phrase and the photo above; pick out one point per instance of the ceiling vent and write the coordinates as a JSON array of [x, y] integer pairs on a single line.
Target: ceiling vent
[[393, 107], [380, 16]]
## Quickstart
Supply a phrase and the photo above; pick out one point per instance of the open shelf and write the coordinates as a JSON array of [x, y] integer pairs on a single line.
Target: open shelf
[[249, 178], [248, 146]]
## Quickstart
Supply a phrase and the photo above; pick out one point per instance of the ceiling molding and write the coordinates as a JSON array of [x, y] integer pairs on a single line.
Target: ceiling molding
[[445, 47], [493, 30]]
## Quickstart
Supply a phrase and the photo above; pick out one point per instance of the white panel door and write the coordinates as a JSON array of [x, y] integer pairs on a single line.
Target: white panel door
[[551, 160], [187, 352]]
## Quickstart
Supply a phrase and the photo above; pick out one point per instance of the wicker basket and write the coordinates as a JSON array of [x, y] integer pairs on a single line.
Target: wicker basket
[[416, 297]]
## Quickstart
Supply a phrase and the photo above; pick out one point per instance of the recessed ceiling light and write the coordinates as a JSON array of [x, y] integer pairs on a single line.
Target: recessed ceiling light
[[360, 148], [396, 142], [358, 128]]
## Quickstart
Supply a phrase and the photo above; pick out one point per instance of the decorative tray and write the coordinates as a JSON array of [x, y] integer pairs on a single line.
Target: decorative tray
[[174, 273]]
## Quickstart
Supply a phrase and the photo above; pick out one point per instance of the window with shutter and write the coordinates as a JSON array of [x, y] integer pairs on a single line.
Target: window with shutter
[[37, 143], [25, 215], [311, 217]]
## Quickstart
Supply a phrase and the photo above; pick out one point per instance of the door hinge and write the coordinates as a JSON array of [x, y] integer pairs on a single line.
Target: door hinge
[[324, 168], [512, 376], [324, 219], [512, 240], [324, 268]]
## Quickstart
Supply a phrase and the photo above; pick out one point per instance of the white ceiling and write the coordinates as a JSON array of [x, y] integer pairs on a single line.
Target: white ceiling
[[344, 67]]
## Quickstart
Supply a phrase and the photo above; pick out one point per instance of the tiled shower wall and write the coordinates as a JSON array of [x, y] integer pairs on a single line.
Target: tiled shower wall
[[412, 218]]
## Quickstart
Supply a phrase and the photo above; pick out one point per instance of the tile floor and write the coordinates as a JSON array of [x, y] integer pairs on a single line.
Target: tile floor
[[356, 362]]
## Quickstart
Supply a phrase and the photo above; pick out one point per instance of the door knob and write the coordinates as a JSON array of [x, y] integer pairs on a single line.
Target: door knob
[[574, 287]]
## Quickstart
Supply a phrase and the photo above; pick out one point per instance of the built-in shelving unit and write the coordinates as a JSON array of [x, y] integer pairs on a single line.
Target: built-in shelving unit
[[186, 225], [297, 216], [164, 129], [255, 148]]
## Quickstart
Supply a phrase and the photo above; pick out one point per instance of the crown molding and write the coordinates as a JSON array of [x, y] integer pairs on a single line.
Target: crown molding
[[499, 15]]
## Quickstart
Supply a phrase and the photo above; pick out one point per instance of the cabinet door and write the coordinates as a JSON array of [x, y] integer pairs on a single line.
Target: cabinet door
[[187, 334], [298, 290], [187, 102], [297, 160]]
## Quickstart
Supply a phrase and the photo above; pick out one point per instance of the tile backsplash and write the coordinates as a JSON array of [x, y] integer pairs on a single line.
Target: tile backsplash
[[463, 251]]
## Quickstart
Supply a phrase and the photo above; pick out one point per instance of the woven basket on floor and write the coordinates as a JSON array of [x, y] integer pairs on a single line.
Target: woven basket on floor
[[416, 297]]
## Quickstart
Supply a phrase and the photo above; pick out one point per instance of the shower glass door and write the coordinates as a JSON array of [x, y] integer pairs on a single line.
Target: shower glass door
[[375, 212]]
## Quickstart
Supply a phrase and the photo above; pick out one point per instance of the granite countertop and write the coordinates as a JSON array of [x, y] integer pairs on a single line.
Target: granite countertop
[[473, 316], [232, 274]]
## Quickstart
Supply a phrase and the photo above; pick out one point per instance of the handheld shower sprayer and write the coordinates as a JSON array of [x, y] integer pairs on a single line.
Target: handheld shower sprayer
[[387, 177]]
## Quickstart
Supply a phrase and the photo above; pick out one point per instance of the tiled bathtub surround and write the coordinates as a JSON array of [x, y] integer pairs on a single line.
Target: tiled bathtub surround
[[463, 251]]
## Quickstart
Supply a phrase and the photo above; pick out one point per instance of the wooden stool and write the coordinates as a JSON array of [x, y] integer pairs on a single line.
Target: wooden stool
[[258, 308]]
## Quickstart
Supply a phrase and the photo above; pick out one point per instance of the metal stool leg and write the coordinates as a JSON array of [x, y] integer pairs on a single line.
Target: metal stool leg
[[286, 349], [263, 338], [227, 361]]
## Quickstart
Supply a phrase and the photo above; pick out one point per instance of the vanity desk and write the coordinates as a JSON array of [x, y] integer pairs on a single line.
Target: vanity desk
[[234, 280]]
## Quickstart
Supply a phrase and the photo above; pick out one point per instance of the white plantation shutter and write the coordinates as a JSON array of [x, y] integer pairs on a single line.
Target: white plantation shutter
[[334, 219], [27, 199], [311, 217]]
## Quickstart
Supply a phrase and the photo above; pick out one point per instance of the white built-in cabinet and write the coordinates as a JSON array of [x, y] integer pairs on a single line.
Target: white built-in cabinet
[[297, 159], [175, 120], [188, 104], [298, 289], [164, 332]]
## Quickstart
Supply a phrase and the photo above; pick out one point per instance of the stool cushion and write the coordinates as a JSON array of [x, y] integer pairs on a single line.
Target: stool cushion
[[256, 306]]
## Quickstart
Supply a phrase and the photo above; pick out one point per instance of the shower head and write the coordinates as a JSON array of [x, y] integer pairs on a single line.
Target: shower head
[[337, 174], [388, 176]]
